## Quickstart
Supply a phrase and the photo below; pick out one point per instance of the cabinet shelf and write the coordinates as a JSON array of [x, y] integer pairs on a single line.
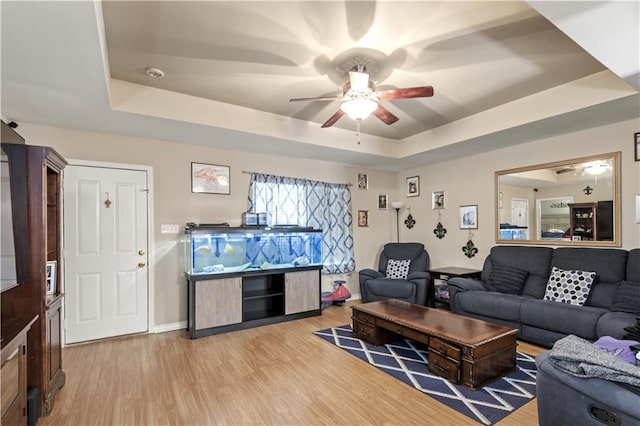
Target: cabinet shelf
[[260, 294]]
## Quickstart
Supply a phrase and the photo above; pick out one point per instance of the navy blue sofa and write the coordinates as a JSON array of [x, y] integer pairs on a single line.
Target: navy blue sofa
[[543, 322]]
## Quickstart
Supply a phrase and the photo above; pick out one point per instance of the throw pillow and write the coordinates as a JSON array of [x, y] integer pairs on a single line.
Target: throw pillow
[[627, 298], [569, 286], [398, 269], [506, 279]]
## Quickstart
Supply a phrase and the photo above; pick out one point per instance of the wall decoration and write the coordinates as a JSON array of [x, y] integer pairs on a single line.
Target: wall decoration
[[383, 201], [210, 179], [588, 190], [413, 186], [440, 230], [363, 181], [363, 217], [51, 277], [437, 200], [637, 145], [469, 217], [470, 249], [410, 221]]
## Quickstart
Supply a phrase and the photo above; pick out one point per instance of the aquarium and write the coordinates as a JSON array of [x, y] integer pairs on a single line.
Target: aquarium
[[214, 249]]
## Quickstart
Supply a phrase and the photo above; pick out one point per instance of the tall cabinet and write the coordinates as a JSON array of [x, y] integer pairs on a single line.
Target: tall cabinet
[[37, 170]]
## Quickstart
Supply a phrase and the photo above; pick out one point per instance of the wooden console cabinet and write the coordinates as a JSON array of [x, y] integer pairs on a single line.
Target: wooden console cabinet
[[227, 302]]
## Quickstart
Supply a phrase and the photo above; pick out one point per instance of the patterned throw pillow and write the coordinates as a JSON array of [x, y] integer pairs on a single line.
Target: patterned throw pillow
[[627, 298], [570, 287], [398, 269], [506, 279]]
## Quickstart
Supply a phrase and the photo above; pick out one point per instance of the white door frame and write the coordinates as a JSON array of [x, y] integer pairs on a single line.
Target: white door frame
[[150, 241]]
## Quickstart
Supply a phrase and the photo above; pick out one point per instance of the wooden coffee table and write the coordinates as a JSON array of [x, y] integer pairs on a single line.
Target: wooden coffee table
[[463, 350]]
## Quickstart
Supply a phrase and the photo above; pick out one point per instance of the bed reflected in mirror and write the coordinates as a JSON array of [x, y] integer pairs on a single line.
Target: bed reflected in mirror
[[571, 202]]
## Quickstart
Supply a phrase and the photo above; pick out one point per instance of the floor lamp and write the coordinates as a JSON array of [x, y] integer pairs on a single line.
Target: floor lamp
[[397, 205]]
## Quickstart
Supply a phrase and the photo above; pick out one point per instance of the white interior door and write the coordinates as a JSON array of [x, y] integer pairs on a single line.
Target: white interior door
[[520, 212], [105, 238]]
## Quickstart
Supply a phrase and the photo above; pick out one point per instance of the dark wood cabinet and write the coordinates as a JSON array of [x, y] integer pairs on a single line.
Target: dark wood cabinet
[[583, 219], [37, 172]]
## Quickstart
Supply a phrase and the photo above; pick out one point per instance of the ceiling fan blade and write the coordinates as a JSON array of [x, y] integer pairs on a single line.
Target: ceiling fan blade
[[385, 115], [408, 92], [335, 117], [317, 98]]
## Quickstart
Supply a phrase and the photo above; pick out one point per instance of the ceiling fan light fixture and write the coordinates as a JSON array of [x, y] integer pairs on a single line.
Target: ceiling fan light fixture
[[359, 109]]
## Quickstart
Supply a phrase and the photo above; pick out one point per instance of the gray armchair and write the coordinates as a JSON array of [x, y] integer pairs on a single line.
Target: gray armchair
[[375, 285]]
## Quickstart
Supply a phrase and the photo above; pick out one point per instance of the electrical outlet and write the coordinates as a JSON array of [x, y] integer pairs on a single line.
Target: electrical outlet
[[169, 229]]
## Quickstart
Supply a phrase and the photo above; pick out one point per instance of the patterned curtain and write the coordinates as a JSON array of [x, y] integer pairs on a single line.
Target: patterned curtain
[[293, 201]]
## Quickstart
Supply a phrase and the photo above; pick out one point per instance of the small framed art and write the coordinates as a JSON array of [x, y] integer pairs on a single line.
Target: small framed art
[[636, 145], [383, 201], [51, 277], [413, 186], [363, 181], [469, 217], [363, 218], [210, 178], [437, 200]]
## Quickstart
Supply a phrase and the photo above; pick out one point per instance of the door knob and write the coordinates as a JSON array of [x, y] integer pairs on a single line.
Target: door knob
[[141, 264], [141, 252]]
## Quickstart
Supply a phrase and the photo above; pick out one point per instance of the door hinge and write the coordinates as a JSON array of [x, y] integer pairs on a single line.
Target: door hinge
[[145, 190]]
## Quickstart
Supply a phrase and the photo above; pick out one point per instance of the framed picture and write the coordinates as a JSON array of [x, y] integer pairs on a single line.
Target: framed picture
[[363, 181], [51, 277], [576, 238], [469, 217], [413, 186], [437, 200], [636, 144], [210, 179], [383, 201], [363, 218]]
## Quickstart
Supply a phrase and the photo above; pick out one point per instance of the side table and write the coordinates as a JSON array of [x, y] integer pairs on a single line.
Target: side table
[[445, 274]]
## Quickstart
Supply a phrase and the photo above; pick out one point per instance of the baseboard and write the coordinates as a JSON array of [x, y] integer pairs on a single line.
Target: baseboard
[[162, 328]]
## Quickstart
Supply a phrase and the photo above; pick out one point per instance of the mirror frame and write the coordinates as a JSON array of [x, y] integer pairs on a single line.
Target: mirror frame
[[617, 232]]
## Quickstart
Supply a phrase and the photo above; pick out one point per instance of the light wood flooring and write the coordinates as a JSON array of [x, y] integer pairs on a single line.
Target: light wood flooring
[[279, 374]]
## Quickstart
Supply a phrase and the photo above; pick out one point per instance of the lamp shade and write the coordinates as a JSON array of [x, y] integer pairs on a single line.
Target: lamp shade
[[359, 109], [397, 204]]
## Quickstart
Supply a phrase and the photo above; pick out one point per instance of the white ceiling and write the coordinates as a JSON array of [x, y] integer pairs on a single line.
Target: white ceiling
[[503, 72]]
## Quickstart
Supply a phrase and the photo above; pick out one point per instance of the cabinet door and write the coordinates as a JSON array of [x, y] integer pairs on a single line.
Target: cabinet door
[[218, 302], [301, 291]]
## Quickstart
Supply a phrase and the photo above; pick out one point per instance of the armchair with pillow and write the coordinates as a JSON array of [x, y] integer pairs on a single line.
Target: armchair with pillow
[[402, 274]]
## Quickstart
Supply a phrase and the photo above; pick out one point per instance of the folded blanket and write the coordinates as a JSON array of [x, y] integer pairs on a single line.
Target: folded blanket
[[581, 358]]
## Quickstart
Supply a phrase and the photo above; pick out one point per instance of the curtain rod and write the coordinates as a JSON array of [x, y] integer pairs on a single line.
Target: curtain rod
[[249, 172]]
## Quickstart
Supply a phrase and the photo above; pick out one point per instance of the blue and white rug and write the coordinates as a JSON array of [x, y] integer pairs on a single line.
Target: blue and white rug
[[406, 360]]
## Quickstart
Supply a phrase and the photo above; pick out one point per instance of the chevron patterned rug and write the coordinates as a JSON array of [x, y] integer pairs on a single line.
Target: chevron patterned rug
[[406, 360]]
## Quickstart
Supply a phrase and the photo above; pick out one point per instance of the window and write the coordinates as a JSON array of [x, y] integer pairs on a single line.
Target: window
[[302, 202]]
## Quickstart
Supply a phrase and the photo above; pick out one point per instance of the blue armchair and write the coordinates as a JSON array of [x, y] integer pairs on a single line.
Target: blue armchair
[[378, 285]]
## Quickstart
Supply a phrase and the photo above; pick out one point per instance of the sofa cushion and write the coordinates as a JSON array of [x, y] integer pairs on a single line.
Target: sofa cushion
[[633, 265], [561, 317], [398, 269], [535, 260], [388, 288], [490, 304], [569, 286], [506, 279], [627, 298]]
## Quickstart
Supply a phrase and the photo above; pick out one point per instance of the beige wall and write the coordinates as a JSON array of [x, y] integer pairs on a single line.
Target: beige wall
[[175, 204], [468, 180]]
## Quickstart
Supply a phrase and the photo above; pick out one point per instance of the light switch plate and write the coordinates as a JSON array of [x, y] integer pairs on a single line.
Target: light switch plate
[[169, 229]]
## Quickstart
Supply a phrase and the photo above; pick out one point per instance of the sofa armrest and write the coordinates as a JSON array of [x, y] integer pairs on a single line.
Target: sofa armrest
[[465, 284], [370, 273], [461, 285], [418, 275]]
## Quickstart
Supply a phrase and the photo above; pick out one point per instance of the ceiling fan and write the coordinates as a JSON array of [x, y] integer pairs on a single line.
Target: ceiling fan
[[360, 98]]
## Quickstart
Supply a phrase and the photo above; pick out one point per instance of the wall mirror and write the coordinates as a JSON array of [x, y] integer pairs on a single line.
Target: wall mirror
[[571, 202]]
